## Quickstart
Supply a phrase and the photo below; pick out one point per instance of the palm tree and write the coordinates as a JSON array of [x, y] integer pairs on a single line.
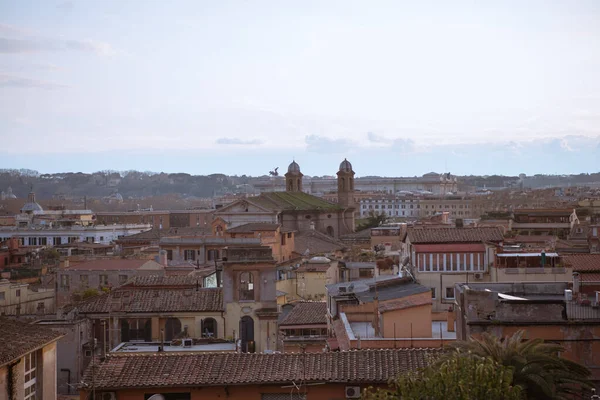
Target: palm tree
[[537, 366]]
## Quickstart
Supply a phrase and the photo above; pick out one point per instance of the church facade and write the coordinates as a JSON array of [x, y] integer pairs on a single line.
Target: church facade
[[297, 210]]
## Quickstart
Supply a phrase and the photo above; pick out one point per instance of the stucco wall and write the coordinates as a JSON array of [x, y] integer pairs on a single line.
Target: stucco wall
[[410, 322]]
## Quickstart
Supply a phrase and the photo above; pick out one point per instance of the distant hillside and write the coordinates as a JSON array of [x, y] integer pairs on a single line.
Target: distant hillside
[[134, 185], [130, 184]]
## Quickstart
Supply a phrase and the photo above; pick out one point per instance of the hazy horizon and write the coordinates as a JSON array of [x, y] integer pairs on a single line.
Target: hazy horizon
[[398, 88]]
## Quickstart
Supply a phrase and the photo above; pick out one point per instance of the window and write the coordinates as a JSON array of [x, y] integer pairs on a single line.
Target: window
[[84, 279], [433, 293], [365, 272], [41, 306], [122, 279], [56, 241], [30, 376], [209, 328], [283, 237], [64, 281], [103, 280], [2, 296], [43, 241], [189, 255], [18, 293], [246, 286], [450, 292], [169, 254]]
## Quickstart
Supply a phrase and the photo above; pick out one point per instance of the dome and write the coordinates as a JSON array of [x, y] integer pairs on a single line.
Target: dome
[[345, 166], [294, 167], [31, 206]]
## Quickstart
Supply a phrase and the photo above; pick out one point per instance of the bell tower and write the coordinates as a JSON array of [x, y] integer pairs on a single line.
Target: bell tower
[[293, 178], [346, 185]]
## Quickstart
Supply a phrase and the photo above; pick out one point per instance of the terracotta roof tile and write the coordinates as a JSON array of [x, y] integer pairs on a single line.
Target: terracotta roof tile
[[154, 300], [583, 262], [178, 370], [316, 243], [455, 235], [114, 264], [20, 338], [305, 313], [254, 227], [166, 281], [401, 304], [593, 277], [293, 201]]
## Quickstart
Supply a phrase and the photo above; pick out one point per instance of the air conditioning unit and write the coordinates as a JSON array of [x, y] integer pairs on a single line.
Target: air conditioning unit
[[187, 342], [353, 392], [478, 276], [108, 396]]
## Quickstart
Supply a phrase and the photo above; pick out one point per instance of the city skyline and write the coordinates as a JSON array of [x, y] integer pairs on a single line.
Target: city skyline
[[399, 89]]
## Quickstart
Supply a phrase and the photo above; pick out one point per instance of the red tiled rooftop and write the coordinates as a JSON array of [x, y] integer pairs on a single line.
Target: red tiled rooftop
[[254, 227], [114, 264], [20, 338], [455, 235], [583, 262], [154, 301], [306, 313], [184, 370], [401, 304]]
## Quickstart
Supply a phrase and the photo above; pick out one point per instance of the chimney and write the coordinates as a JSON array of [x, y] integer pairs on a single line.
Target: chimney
[[576, 282], [162, 258]]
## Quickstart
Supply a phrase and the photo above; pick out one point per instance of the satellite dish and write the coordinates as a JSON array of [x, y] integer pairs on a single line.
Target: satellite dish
[[156, 397]]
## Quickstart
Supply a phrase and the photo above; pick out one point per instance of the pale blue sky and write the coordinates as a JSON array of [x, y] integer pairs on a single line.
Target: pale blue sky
[[239, 87]]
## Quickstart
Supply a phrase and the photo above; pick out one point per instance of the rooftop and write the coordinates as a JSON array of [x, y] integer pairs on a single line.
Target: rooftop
[[154, 301], [293, 201], [164, 281], [316, 243], [198, 369], [455, 235], [306, 313], [20, 338], [115, 264], [147, 347], [254, 227], [583, 262]]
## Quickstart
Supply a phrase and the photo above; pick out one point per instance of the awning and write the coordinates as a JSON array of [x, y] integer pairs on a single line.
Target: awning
[[526, 255], [450, 248]]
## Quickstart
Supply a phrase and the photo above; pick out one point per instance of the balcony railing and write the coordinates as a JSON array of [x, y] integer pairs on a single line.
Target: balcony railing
[[585, 310], [536, 270]]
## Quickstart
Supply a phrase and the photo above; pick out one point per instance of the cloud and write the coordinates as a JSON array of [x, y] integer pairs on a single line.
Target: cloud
[[238, 141], [374, 138], [15, 41], [16, 82], [65, 6], [321, 144]]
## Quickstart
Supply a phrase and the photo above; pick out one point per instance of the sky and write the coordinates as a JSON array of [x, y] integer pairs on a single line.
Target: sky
[[399, 88]]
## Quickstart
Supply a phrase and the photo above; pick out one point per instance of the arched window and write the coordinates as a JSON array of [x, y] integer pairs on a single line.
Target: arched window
[[342, 184], [246, 286], [330, 231], [247, 334], [298, 184], [209, 328]]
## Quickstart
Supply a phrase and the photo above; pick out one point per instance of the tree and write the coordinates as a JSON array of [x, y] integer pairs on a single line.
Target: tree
[[537, 366], [373, 220], [455, 377]]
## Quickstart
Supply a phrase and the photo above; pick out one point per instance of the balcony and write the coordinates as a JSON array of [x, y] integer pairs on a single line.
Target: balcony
[[536, 270]]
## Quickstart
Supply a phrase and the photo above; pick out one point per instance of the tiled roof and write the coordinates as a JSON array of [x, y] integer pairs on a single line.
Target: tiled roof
[[590, 277], [155, 301], [20, 338], [316, 242], [455, 235], [293, 201], [583, 262], [401, 304], [306, 312], [254, 227], [156, 280], [155, 234], [178, 370], [114, 264]]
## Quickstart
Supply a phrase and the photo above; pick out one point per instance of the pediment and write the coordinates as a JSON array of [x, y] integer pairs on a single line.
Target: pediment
[[242, 206]]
